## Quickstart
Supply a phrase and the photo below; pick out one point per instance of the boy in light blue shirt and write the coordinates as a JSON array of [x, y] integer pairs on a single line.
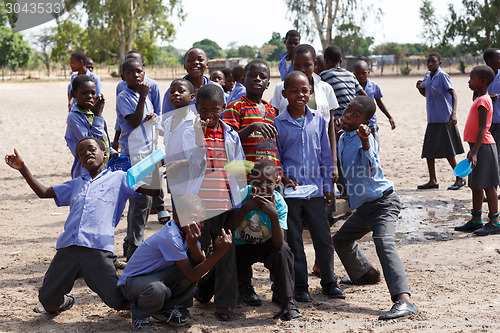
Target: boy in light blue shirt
[[239, 89], [78, 63], [292, 40], [376, 207]]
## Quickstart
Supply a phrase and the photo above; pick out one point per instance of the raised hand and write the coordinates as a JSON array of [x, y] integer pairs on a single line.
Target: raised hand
[[143, 89], [98, 106], [14, 161], [268, 131], [363, 131], [223, 242]]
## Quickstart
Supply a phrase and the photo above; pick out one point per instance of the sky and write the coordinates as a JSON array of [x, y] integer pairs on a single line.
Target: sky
[[219, 21]]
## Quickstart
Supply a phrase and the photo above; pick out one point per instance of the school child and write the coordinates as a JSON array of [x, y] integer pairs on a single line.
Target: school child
[[253, 119], [195, 64], [228, 80], [483, 155], [442, 139], [320, 64], [78, 61], [138, 124], [85, 119], [376, 206], [306, 159], [343, 82], [372, 90], [160, 278], [90, 64], [239, 88], [492, 59], [219, 78], [220, 193], [259, 235], [292, 39], [96, 203]]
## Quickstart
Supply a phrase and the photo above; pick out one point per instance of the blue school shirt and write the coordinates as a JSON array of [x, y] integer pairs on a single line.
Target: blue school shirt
[[79, 127], [94, 77], [282, 66], [126, 103], [161, 250], [438, 98], [167, 108], [494, 88], [256, 227], [238, 91], [154, 96], [372, 90], [96, 206], [364, 179], [304, 151]]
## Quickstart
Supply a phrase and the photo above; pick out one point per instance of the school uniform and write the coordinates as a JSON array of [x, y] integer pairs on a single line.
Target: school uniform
[[373, 91], [376, 208], [441, 139], [85, 247], [82, 123], [485, 174], [238, 91], [344, 84], [284, 66], [152, 281], [322, 100], [97, 81], [494, 88], [306, 157]]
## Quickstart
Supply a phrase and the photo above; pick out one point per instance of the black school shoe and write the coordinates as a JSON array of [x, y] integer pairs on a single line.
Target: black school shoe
[[488, 229], [364, 280], [399, 309], [333, 291], [470, 226], [249, 296], [302, 295]]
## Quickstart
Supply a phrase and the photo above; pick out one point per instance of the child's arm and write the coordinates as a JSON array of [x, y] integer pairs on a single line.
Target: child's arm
[[419, 87], [364, 134], [193, 274], [192, 237], [16, 162], [453, 116], [148, 191], [483, 116], [382, 108], [332, 136], [268, 207], [268, 131], [135, 119], [235, 220]]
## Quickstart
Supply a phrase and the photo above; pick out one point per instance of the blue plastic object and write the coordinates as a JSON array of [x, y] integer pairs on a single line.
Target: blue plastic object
[[139, 171], [463, 168], [121, 162]]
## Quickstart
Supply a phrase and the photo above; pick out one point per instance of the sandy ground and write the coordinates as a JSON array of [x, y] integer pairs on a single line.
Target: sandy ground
[[453, 276]]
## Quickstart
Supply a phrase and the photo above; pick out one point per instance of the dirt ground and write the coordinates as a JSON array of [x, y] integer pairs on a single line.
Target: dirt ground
[[453, 276]]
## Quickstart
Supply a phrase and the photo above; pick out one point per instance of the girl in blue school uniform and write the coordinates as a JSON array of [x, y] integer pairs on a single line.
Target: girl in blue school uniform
[[442, 139]]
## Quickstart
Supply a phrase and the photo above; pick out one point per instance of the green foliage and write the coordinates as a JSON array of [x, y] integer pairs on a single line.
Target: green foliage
[[14, 51], [350, 40], [272, 50], [401, 50], [68, 37], [7, 18], [167, 56], [431, 31], [211, 48], [406, 70]]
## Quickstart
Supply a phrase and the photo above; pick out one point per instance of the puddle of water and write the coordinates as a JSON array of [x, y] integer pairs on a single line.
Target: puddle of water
[[429, 221]]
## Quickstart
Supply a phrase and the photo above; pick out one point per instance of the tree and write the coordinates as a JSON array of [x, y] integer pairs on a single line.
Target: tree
[[68, 37], [350, 40], [321, 16], [273, 48], [44, 41], [431, 31], [211, 48], [14, 51]]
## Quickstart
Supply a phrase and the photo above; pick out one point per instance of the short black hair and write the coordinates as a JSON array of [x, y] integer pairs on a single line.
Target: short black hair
[[127, 63], [304, 49], [435, 54], [211, 92], [366, 104], [100, 143], [292, 33], [134, 52], [185, 82], [333, 53], [227, 72], [263, 164], [256, 62], [360, 64], [194, 48], [80, 56], [291, 76], [89, 60], [489, 54], [484, 72], [239, 72], [79, 80]]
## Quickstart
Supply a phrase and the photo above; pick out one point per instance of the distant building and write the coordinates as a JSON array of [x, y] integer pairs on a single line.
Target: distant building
[[219, 64]]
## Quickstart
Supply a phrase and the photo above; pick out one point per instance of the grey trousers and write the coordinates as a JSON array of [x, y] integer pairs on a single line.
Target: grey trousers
[[70, 263], [379, 216], [161, 290], [312, 212]]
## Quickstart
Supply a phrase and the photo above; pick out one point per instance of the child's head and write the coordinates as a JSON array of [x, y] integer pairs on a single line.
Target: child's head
[[296, 89], [333, 56], [238, 73], [135, 54], [133, 72], [359, 111], [228, 79], [83, 90], [481, 77], [77, 61], [433, 61], [195, 62], [210, 103], [90, 64], [492, 58], [91, 153], [264, 177], [361, 71], [304, 59], [292, 39], [181, 93], [218, 77], [189, 209], [257, 76], [320, 64]]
